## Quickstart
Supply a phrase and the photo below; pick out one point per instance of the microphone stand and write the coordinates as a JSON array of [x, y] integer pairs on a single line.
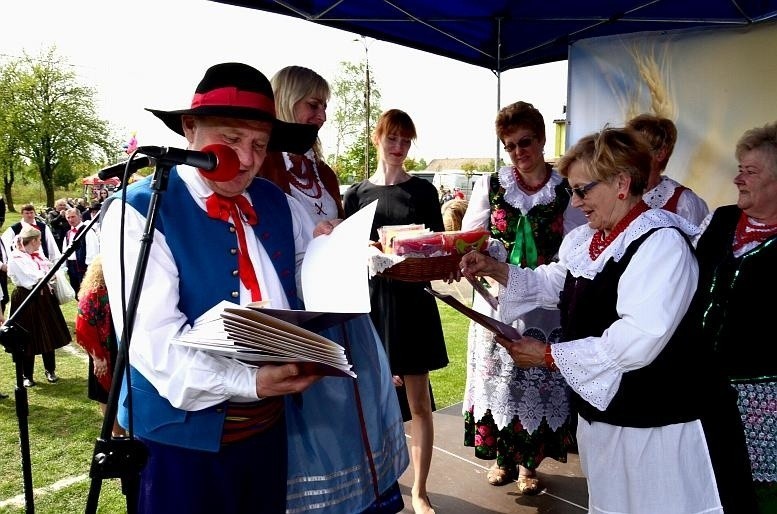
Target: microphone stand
[[125, 458], [14, 338]]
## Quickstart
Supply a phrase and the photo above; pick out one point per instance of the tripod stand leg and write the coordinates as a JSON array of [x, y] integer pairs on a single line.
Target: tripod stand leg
[[22, 415]]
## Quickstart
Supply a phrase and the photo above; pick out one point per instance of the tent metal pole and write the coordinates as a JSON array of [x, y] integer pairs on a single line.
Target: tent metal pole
[[498, 73]]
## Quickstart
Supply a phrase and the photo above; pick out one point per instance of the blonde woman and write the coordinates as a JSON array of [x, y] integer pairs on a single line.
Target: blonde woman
[[328, 469], [42, 318], [302, 96]]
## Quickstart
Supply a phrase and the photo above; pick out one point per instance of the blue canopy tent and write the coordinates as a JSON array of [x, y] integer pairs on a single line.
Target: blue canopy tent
[[501, 35], [504, 34]]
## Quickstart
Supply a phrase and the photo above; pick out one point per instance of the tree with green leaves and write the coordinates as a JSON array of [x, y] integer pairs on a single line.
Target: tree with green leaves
[[349, 90], [413, 165], [9, 143], [51, 121]]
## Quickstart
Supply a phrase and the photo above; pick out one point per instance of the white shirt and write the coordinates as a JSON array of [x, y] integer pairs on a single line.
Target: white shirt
[[90, 241], [190, 379], [9, 238], [324, 207], [24, 271], [690, 205]]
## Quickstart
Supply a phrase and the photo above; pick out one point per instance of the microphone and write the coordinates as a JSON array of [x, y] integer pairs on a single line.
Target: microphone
[[117, 170], [215, 162]]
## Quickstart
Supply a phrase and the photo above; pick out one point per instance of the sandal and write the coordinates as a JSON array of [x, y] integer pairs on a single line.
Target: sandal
[[528, 486], [499, 475]]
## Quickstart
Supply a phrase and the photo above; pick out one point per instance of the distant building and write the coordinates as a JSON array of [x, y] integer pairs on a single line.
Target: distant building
[[456, 164]]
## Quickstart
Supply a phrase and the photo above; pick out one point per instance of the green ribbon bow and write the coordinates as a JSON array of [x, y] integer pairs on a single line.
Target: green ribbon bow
[[525, 249]]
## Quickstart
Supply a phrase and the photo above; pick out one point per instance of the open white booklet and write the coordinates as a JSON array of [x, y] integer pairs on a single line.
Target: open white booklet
[[334, 277]]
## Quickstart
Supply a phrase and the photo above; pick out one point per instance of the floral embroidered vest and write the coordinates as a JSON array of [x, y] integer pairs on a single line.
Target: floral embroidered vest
[[546, 222]]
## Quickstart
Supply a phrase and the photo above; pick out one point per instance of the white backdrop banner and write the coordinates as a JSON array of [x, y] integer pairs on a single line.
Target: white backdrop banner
[[714, 84]]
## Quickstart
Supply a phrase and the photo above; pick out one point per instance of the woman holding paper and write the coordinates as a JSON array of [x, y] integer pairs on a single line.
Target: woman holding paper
[[657, 429], [337, 418], [404, 314], [517, 416]]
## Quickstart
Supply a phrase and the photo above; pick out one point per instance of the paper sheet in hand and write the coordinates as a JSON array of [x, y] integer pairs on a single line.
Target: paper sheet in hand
[[494, 325], [334, 271]]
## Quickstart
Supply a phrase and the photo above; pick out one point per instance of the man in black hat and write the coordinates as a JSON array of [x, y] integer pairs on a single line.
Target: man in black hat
[[214, 426]]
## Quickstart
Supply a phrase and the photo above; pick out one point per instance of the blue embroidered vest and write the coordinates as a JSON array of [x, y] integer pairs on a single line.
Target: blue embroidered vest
[[205, 253]]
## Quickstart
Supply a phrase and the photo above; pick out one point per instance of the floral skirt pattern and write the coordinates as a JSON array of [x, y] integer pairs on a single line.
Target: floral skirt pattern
[[514, 445], [757, 402]]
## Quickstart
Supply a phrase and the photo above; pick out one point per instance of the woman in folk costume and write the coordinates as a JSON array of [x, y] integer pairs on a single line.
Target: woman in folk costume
[[663, 192], [301, 95], [347, 444], [518, 416], [737, 252], [41, 320], [94, 333]]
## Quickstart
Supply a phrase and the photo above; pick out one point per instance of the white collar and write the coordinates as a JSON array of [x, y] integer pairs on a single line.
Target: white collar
[[521, 200], [575, 246]]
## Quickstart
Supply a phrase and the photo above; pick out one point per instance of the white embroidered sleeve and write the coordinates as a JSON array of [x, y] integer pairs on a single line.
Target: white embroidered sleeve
[[528, 289]]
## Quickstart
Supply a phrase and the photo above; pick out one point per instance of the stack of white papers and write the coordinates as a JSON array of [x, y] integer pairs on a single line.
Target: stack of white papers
[[251, 335]]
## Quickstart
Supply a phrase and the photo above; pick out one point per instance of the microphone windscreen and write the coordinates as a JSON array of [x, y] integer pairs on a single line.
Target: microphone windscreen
[[227, 163]]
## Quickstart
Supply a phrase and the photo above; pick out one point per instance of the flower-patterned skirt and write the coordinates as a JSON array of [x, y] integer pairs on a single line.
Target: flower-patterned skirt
[[514, 445]]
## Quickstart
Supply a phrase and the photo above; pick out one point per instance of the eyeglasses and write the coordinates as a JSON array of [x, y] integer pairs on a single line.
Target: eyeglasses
[[582, 190], [524, 142]]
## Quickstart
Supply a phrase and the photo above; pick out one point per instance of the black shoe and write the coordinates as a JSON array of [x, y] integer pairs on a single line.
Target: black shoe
[[52, 377], [3, 396], [28, 382]]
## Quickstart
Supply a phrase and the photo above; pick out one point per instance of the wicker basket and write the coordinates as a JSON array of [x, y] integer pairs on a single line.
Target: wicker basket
[[424, 269]]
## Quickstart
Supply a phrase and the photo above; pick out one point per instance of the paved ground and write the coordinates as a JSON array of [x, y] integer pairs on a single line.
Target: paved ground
[[461, 290], [457, 482]]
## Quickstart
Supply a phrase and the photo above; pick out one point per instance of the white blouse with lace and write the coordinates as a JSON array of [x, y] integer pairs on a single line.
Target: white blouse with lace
[[690, 205], [319, 207], [654, 293]]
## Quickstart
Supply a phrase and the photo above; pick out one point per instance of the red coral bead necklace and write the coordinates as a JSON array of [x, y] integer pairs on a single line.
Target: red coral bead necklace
[[599, 242], [526, 187]]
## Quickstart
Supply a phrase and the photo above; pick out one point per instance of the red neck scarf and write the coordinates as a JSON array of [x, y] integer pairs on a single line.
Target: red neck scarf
[[239, 209], [748, 232], [37, 259]]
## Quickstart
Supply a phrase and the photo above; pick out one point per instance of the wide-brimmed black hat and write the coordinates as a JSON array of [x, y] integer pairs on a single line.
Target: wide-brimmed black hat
[[236, 90]]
